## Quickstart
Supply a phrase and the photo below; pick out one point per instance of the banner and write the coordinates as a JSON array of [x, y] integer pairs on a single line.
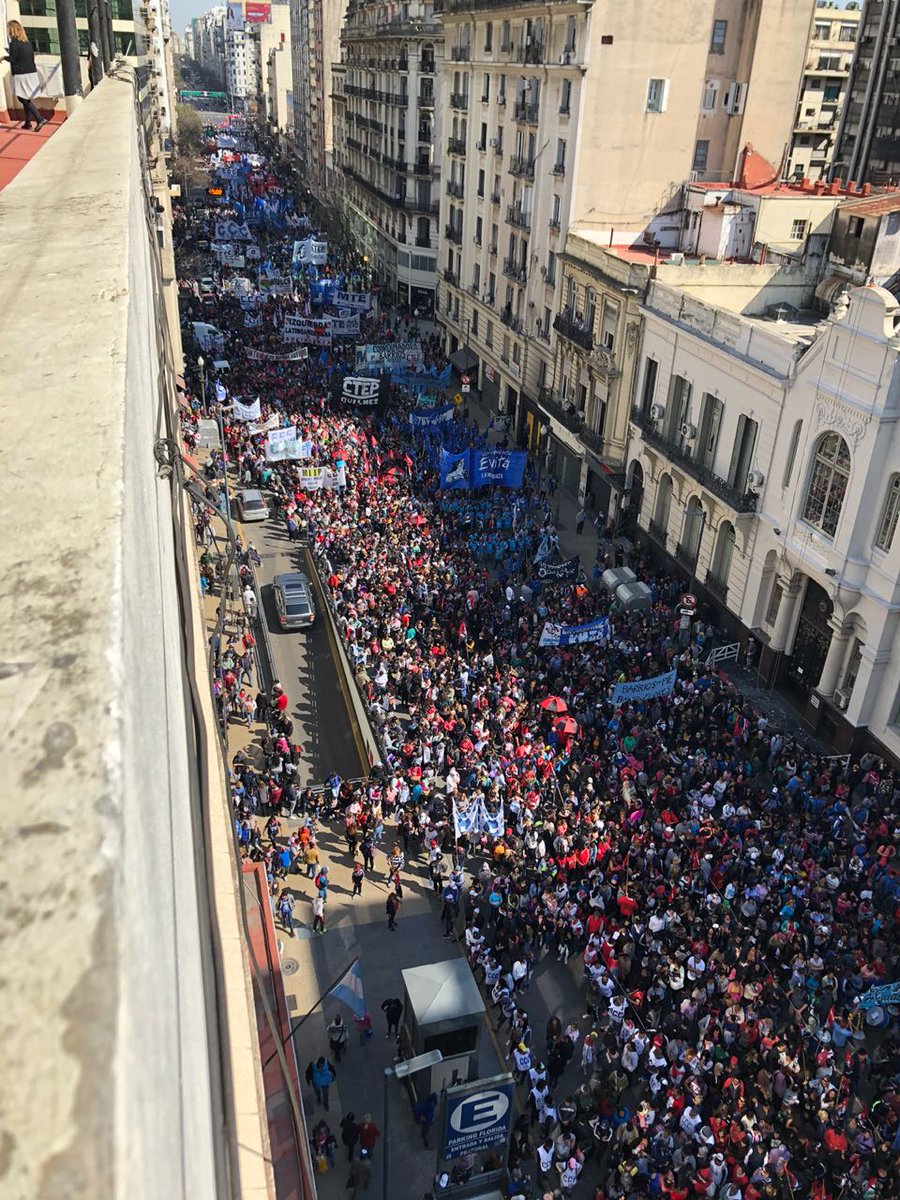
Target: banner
[[360, 391], [256, 13], [232, 231], [345, 326], [300, 355], [482, 468], [245, 412], [281, 444], [315, 331], [231, 258], [574, 635], [564, 572], [271, 422], [644, 689], [389, 356], [349, 990], [275, 285], [313, 479], [431, 418], [881, 994], [357, 301], [309, 251], [252, 320]]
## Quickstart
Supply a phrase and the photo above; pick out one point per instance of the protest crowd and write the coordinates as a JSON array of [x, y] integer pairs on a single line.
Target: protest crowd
[[724, 895]]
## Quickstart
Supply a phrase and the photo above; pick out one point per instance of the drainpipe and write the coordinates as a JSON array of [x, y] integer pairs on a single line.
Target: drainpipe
[[68, 53]]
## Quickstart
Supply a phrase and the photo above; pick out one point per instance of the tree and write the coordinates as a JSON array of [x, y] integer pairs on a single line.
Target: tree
[[189, 129]]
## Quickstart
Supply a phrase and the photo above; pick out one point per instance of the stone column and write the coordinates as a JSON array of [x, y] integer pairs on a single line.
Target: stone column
[[834, 660], [790, 592]]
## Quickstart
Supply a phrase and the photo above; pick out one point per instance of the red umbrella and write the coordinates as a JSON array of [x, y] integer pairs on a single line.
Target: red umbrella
[[554, 704], [566, 726]]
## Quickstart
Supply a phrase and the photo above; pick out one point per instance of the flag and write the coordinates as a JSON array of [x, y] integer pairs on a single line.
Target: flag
[[246, 412], [349, 990], [221, 393]]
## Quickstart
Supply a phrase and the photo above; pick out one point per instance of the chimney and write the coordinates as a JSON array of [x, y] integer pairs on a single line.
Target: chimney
[[819, 187], [851, 188], [866, 189], [833, 188], [805, 184], [840, 183]]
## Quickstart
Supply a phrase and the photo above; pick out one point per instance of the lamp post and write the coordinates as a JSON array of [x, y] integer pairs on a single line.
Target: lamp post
[[411, 1066], [201, 363]]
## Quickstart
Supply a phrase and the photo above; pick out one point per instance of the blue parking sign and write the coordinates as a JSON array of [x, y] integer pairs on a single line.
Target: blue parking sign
[[478, 1116]]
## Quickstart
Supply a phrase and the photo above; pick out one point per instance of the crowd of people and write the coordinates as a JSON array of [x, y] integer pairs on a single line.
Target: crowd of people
[[724, 895]]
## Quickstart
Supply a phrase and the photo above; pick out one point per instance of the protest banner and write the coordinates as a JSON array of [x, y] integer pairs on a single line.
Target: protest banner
[[644, 689], [554, 634], [281, 444], [564, 572], [314, 331], [482, 468], [245, 412]]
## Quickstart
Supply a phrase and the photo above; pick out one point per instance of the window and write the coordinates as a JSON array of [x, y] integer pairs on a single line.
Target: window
[[489, 36], [37, 8], [742, 453], [822, 31], [560, 164], [701, 154], [124, 44], [657, 95], [828, 484], [555, 210], [550, 277], [608, 325], [481, 183], [774, 603], [791, 454], [650, 372], [678, 406], [717, 42], [855, 227], [710, 92], [501, 90], [708, 433], [489, 333], [479, 226], [829, 62], [798, 230], [887, 526], [122, 10], [565, 97], [505, 43], [570, 35], [43, 40], [847, 33]]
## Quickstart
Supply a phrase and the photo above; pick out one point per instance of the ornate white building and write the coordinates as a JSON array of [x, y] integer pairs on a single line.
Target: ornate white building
[[765, 457]]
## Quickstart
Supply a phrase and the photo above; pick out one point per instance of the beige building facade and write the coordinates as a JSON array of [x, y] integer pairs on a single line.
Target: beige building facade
[[388, 145], [823, 91]]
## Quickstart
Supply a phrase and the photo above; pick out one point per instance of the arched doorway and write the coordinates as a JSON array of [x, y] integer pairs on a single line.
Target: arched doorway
[[663, 508], [635, 495], [694, 521], [811, 641]]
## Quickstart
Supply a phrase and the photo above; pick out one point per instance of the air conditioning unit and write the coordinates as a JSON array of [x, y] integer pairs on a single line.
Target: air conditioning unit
[[676, 259], [842, 698], [755, 478], [495, 142], [657, 411], [688, 431]]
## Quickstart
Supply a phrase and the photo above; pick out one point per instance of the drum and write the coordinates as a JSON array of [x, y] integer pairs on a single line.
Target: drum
[[878, 1017]]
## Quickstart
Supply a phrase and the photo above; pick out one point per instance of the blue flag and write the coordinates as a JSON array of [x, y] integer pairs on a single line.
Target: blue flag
[[349, 990]]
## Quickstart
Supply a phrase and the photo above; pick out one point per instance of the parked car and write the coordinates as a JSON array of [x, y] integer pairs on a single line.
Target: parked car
[[294, 600], [252, 505]]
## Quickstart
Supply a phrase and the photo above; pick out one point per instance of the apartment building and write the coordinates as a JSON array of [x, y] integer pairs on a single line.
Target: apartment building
[[768, 471], [586, 119], [823, 90], [38, 18], [868, 143], [315, 47], [388, 143]]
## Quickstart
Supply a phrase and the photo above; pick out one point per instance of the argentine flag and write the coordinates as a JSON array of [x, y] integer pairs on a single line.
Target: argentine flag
[[349, 990]]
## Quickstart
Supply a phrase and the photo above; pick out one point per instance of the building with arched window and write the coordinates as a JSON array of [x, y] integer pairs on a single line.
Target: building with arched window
[[769, 450]]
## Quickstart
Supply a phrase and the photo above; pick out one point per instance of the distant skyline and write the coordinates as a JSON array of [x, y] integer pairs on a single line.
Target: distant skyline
[[182, 11]]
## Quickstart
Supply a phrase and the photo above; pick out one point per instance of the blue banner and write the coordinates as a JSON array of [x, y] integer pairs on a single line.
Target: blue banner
[[482, 468], [644, 689], [881, 994], [573, 635], [430, 418], [564, 572]]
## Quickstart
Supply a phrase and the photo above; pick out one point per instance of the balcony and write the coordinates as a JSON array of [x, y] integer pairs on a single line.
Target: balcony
[[741, 502], [564, 411], [492, 249], [403, 63], [575, 331], [396, 164], [454, 189], [516, 216], [514, 270], [522, 167], [459, 100], [593, 440], [453, 235], [422, 168], [553, 224], [717, 587], [451, 277], [426, 66], [532, 54], [456, 146], [495, 197], [460, 54], [511, 321], [397, 99], [425, 100], [558, 169], [425, 243], [524, 113]]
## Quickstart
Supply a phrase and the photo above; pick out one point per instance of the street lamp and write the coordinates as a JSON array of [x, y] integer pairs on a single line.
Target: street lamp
[[201, 363], [411, 1066]]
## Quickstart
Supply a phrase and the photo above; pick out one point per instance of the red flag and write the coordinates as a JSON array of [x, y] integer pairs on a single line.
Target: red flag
[[408, 461]]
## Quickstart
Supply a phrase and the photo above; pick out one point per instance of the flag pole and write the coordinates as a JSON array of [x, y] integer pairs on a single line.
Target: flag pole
[[337, 979]]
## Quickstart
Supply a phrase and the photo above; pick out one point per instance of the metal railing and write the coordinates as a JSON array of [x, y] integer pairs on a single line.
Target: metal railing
[[454, 189], [565, 324], [569, 417], [453, 235], [456, 146], [741, 502], [516, 216], [521, 166], [459, 100], [514, 270], [526, 113]]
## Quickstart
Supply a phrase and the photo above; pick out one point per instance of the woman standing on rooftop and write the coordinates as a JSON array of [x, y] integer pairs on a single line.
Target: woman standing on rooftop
[[26, 81]]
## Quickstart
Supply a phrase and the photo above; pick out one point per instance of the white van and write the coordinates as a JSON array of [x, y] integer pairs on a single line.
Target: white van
[[209, 338]]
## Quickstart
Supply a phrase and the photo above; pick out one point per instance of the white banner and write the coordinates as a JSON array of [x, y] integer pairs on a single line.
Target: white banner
[[355, 301], [271, 422], [315, 331], [232, 259], [232, 231], [345, 326], [246, 412], [313, 479], [281, 444]]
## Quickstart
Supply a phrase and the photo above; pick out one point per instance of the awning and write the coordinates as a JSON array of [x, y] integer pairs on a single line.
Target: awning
[[464, 360]]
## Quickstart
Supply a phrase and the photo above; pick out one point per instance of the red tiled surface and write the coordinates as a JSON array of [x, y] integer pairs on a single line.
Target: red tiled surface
[[18, 146]]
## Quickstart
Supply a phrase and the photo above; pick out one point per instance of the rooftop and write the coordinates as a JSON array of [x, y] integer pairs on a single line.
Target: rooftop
[[874, 206], [18, 146]]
